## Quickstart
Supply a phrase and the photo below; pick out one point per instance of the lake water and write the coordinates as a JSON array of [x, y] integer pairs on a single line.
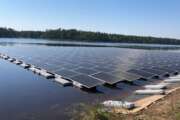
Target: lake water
[[27, 96]]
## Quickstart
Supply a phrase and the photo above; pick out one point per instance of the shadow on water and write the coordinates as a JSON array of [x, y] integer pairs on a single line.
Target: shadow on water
[[113, 86], [93, 90]]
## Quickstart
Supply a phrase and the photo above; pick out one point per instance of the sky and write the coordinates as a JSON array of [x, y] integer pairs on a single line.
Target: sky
[[159, 18]]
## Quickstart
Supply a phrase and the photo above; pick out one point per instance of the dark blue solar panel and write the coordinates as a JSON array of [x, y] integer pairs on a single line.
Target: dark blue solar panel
[[98, 64]]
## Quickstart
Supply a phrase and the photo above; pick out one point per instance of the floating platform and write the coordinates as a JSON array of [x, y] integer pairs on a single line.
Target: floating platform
[[4, 56], [17, 62], [82, 81], [37, 70], [11, 59], [62, 81], [46, 74], [24, 65], [42, 72], [88, 77]]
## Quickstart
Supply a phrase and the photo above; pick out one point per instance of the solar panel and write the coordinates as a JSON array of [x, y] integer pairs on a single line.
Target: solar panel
[[177, 67], [67, 73], [110, 79], [107, 64], [69, 66], [127, 76], [86, 81], [86, 65], [144, 74], [86, 71], [169, 70], [103, 69], [154, 71]]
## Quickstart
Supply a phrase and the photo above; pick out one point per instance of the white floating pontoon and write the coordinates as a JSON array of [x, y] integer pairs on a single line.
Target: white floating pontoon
[[174, 77], [46, 74], [62, 81], [155, 87], [150, 92], [5, 57], [34, 69], [11, 59], [118, 104], [172, 80], [24, 65], [17, 62]]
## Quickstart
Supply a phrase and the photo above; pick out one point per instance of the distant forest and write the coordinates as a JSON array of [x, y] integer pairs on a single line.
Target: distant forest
[[86, 36]]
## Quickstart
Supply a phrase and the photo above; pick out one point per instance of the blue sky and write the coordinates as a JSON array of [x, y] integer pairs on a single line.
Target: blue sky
[[136, 17]]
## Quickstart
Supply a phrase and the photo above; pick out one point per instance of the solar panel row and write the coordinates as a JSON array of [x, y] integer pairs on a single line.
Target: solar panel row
[[95, 66]]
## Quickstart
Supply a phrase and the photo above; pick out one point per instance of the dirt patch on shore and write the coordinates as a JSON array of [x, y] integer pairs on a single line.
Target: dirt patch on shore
[[165, 109]]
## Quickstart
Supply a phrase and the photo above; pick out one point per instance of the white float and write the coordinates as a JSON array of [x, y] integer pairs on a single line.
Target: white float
[[150, 92], [34, 69], [62, 81], [155, 87], [24, 65], [174, 77], [172, 80], [46, 74], [118, 104], [11, 59], [17, 62]]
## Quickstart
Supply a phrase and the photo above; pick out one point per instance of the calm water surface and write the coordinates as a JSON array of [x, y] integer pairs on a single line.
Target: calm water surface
[[26, 96]]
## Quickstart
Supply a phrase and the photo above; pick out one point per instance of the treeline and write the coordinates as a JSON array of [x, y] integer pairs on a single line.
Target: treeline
[[77, 35]]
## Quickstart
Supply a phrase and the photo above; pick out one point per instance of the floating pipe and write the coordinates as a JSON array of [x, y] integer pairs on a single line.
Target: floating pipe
[[155, 87], [174, 77], [149, 92], [172, 80]]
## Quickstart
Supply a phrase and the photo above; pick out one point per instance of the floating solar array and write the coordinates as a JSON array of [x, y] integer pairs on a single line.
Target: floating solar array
[[92, 66]]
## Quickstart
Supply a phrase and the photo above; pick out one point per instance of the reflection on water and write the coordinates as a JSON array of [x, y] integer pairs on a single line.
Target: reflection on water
[[7, 42]]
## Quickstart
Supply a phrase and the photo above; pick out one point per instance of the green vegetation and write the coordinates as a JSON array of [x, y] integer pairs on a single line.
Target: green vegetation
[[94, 112], [77, 35]]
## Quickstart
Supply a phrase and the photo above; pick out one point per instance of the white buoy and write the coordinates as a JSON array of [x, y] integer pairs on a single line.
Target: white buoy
[[118, 104], [154, 87], [149, 92]]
